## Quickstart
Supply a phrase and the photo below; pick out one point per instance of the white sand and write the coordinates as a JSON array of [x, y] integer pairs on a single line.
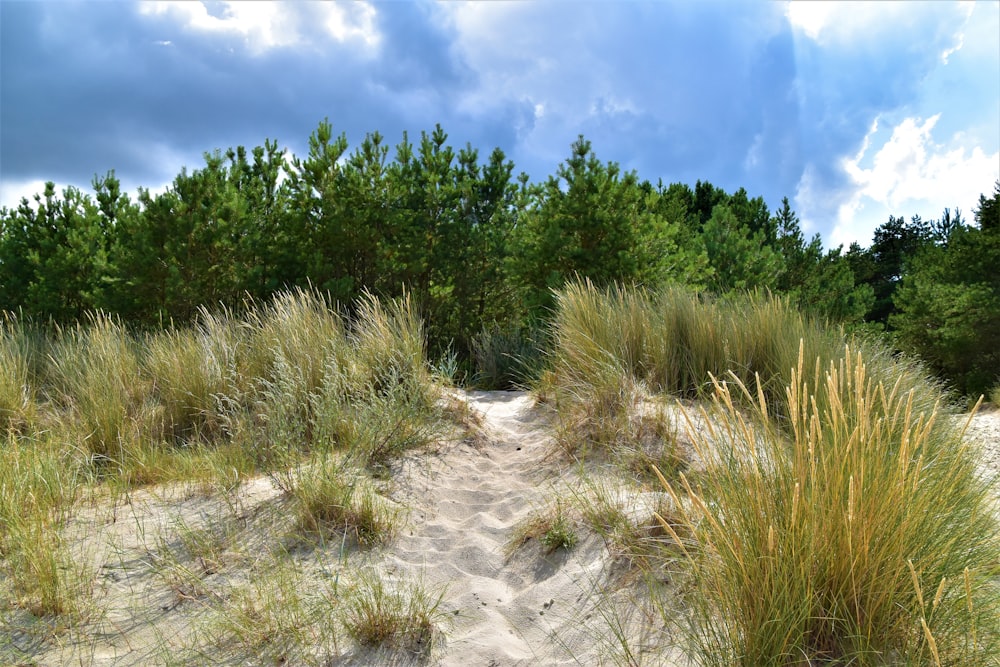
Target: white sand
[[463, 502]]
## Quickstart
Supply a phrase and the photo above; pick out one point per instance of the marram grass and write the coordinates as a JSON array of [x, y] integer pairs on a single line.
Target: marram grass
[[859, 533]]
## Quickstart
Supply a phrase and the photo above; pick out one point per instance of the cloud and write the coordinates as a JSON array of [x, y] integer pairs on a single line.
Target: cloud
[[772, 97], [912, 174], [268, 25], [146, 89], [859, 62], [673, 90], [12, 192]]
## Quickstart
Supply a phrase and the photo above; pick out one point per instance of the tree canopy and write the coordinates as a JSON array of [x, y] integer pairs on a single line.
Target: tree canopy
[[478, 247]]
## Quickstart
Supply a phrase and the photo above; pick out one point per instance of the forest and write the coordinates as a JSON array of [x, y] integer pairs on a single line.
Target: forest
[[480, 251]]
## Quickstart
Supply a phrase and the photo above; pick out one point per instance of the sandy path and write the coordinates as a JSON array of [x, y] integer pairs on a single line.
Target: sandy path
[[464, 504]]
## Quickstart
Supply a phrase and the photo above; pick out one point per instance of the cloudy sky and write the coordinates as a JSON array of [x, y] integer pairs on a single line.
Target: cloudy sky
[[855, 111]]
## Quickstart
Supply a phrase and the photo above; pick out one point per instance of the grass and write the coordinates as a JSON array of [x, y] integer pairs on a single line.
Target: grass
[[506, 358], [292, 388], [18, 399], [554, 526], [835, 516], [331, 496], [671, 341], [402, 615], [860, 533], [98, 379], [839, 518], [625, 518], [273, 616], [38, 484]]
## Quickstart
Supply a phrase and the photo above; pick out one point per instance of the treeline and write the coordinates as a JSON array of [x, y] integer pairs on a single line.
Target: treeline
[[479, 249]]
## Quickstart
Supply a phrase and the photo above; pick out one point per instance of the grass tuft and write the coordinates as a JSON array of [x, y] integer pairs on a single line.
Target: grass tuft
[[859, 532], [553, 526], [401, 615]]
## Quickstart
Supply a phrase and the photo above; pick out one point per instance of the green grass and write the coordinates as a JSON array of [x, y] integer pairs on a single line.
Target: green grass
[[274, 616], [401, 615], [506, 358], [840, 519], [99, 380], [38, 485], [554, 526], [331, 496], [672, 341], [292, 388], [859, 533], [18, 395]]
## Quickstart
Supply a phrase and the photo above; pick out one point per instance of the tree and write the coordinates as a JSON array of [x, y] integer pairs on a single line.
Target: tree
[[988, 212], [895, 243], [313, 247], [181, 252], [948, 306], [820, 283], [741, 259], [53, 255], [585, 221]]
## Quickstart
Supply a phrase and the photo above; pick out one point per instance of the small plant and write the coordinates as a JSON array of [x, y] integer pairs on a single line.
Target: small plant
[[329, 495], [995, 396], [561, 534], [402, 615], [552, 526]]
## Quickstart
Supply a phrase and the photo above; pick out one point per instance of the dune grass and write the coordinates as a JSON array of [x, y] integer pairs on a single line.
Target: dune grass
[[38, 485], [18, 400], [400, 614], [865, 536], [673, 339], [840, 518], [293, 388]]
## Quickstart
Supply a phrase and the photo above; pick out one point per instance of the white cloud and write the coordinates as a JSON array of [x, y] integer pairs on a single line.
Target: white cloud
[[959, 43], [847, 22], [268, 25], [810, 17], [351, 21], [910, 174], [12, 192]]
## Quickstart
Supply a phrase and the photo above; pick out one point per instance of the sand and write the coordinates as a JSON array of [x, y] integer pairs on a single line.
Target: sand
[[462, 502]]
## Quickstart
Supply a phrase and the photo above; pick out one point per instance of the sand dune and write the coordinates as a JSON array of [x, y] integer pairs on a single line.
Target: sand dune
[[462, 503]]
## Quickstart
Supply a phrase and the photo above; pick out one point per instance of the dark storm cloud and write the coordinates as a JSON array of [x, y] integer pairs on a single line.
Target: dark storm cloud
[[677, 91], [98, 86], [846, 85], [729, 92]]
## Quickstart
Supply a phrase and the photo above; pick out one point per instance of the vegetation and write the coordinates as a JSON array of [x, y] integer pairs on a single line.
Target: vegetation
[[292, 389], [836, 515], [478, 250], [275, 317]]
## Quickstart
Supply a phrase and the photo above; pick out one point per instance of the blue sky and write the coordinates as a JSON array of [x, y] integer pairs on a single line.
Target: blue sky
[[855, 111]]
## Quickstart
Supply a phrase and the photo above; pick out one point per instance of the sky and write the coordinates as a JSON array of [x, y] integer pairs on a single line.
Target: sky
[[853, 110]]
